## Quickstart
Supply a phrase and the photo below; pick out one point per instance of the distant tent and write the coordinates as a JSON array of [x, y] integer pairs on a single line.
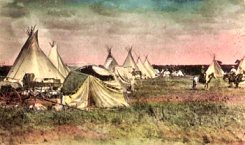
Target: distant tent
[[110, 62], [215, 68], [180, 73], [241, 66], [149, 68], [124, 75], [241, 69], [55, 58], [32, 59], [142, 68], [129, 61], [82, 91]]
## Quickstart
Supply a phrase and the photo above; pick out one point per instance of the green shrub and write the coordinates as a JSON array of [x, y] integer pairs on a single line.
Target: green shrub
[[64, 117], [13, 117]]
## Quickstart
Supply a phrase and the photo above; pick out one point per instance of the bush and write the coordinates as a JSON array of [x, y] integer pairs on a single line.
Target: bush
[[62, 118], [13, 117]]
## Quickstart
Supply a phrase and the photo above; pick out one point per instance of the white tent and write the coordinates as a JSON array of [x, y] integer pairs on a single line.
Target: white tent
[[32, 59], [110, 62], [129, 61], [240, 70], [215, 68], [124, 75], [83, 91], [142, 68], [55, 58], [241, 66], [149, 68]]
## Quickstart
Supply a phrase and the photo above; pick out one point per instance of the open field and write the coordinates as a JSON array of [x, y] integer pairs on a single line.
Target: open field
[[180, 90], [163, 111]]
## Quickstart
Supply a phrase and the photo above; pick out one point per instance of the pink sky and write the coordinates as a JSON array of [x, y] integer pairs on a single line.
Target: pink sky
[[167, 38]]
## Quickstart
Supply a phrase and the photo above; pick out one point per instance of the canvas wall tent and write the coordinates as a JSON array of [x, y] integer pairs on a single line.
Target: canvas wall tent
[[129, 61], [215, 68], [32, 59], [55, 58], [144, 72], [82, 91], [149, 68], [103, 74], [98, 72], [110, 62]]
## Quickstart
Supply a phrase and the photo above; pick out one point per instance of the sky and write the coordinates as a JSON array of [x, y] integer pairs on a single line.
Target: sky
[[168, 31]]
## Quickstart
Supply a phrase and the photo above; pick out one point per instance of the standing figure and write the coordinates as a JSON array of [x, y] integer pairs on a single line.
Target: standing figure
[[194, 83]]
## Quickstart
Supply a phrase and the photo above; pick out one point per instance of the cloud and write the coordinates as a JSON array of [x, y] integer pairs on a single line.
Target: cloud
[[161, 27], [57, 12], [101, 9], [14, 10]]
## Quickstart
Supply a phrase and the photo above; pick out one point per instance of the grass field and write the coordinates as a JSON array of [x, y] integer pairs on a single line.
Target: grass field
[[162, 111]]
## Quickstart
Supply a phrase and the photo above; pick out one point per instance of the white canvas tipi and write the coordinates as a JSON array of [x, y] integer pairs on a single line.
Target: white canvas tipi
[[110, 62], [55, 58], [142, 68], [215, 68], [129, 61], [241, 66], [149, 67], [32, 59]]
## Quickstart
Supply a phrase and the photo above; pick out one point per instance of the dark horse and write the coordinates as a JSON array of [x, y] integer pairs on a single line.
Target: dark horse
[[233, 78], [202, 80]]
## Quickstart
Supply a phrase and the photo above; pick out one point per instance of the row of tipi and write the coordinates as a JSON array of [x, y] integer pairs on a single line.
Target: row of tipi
[[79, 90], [145, 68], [32, 59]]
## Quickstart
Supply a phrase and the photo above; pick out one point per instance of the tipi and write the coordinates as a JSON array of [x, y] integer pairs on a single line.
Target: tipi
[[32, 59], [149, 68], [110, 62], [129, 61], [55, 58], [215, 68], [241, 66], [143, 69]]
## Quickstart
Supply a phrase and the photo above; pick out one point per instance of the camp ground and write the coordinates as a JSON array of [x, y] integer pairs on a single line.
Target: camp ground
[[120, 100]]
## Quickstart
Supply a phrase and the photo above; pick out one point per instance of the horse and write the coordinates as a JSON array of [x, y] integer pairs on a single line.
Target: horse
[[233, 78], [203, 80]]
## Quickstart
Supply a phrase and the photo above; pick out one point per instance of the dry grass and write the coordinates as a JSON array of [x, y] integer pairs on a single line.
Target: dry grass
[[177, 116]]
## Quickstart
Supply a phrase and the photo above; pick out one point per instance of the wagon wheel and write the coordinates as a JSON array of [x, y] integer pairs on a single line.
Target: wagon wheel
[[16, 94]]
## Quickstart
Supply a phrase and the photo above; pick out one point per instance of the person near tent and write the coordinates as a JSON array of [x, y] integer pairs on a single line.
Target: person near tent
[[202, 75], [233, 70], [194, 84], [135, 73], [133, 84]]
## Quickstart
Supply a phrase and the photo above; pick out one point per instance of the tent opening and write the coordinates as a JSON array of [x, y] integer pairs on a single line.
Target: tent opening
[[91, 101]]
